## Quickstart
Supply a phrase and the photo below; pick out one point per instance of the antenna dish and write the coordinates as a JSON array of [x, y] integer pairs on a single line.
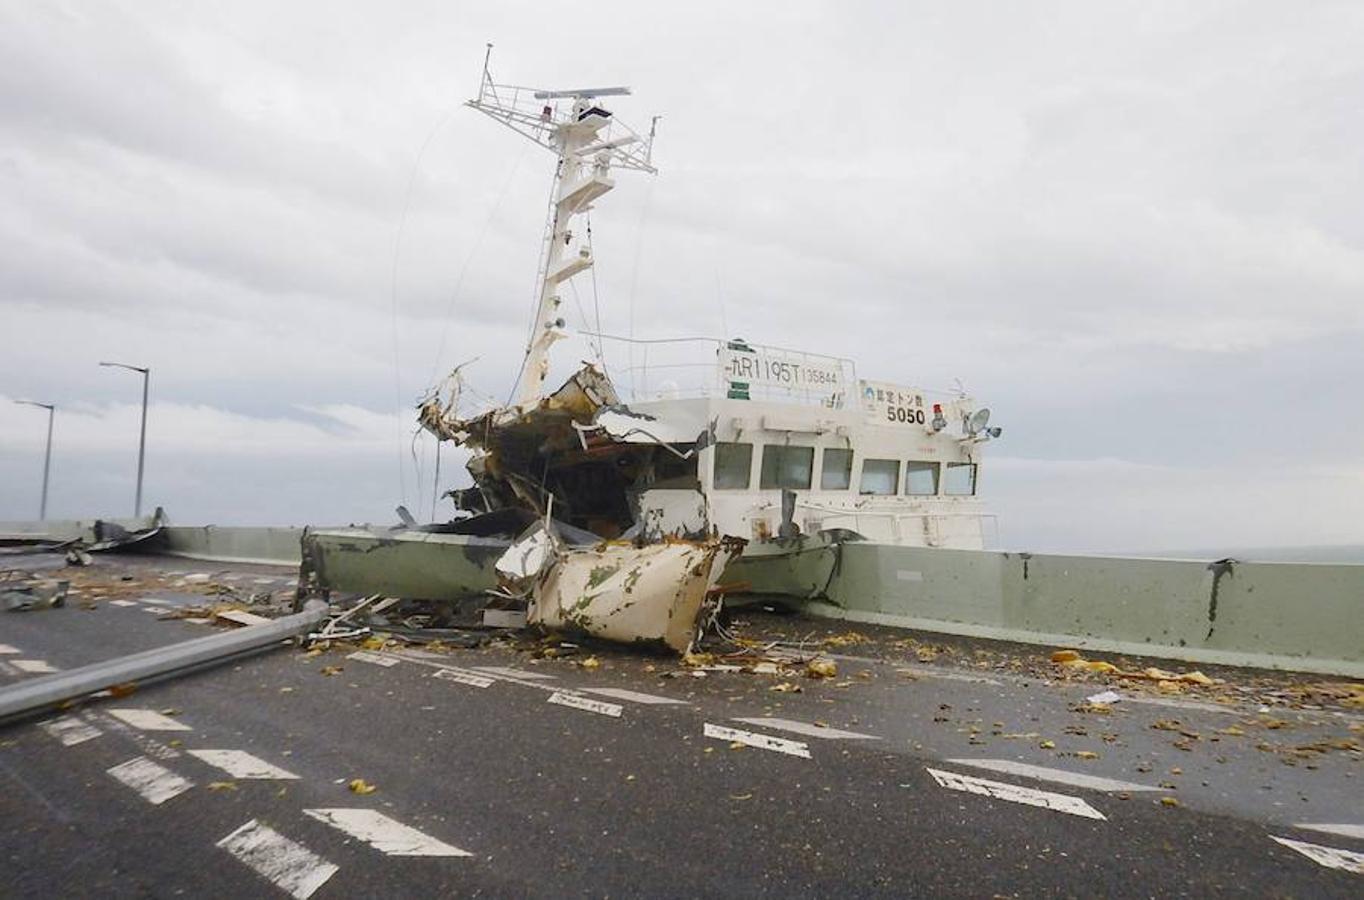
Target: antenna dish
[[583, 92], [979, 419]]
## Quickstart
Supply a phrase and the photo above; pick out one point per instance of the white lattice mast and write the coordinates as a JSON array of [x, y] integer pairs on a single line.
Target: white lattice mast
[[589, 142]]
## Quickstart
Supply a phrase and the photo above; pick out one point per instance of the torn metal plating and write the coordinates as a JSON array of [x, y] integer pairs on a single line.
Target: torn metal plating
[[588, 467]]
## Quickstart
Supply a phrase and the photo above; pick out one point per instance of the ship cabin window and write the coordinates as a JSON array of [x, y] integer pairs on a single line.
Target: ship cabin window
[[785, 466], [921, 478], [880, 477], [733, 465], [836, 470], [961, 480]]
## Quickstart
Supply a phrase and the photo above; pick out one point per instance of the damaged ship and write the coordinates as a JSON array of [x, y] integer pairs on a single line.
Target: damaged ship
[[629, 518]]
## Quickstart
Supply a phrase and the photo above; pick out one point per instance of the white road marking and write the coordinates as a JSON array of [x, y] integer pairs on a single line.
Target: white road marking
[[761, 741], [809, 729], [634, 696], [71, 730], [1060, 776], [1344, 830], [510, 673], [462, 677], [241, 617], [1015, 794], [240, 764], [384, 834], [154, 610], [6, 648], [157, 601], [289, 866], [123, 603], [37, 666], [197, 620], [375, 658], [155, 783], [577, 702], [148, 720], [1330, 857]]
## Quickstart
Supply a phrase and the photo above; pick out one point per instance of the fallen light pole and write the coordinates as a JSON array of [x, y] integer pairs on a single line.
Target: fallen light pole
[[54, 691]]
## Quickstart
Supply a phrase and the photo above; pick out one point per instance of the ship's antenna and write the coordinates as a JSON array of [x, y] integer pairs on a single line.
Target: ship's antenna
[[588, 142]]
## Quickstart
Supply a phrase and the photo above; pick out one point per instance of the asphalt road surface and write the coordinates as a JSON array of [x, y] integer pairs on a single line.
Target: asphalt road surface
[[936, 769]]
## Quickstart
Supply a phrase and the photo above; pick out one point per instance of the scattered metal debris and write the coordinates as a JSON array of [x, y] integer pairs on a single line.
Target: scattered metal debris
[[22, 591]]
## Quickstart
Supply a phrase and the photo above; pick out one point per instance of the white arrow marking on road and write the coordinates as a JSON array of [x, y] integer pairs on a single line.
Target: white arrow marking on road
[[597, 706], [1060, 776], [809, 729], [1015, 794], [1330, 857], [290, 866], [155, 783], [148, 720], [462, 677], [761, 741], [240, 764], [36, 666], [384, 834], [71, 730], [1342, 829], [634, 696], [375, 658]]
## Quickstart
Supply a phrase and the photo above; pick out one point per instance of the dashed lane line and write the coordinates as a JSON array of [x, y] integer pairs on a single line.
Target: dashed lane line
[[634, 696], [8, 648], [148, 720], [33, 666], [288, 865], [1330, 857], [155, 601], [469, 678], [373, 658], [506, 672], [70, 730], [155, 783], [1014, 794], [809, 729], [1342, 829], [386, 835], [240, 764], [753, 739], [1060, 776], [123, 603], [576, 701]]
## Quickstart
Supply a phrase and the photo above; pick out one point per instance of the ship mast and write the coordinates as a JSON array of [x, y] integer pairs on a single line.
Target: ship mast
[[589, 142]]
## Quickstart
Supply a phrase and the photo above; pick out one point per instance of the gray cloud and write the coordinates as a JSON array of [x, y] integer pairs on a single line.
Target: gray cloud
[[1133, 229]]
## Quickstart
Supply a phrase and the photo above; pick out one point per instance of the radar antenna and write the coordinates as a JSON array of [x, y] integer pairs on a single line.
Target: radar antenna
[[589, 141]]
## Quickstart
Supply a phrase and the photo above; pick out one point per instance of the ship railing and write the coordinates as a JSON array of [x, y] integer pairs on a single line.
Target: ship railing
[[652, 369]]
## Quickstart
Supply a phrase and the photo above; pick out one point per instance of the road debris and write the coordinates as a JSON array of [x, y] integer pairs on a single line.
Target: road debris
[[22, 591]]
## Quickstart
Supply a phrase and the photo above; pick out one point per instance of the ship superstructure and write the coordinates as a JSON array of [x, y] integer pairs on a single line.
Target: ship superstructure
[[734, 438]]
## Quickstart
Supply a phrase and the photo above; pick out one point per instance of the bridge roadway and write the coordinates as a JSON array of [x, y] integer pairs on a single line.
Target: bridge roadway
[[940, 769]]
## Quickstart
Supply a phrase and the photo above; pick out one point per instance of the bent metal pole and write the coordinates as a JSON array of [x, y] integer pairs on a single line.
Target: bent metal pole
[[39, 695]]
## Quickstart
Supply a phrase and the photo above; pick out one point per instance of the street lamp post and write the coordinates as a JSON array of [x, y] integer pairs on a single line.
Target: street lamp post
[[142, 442], [47, 457]]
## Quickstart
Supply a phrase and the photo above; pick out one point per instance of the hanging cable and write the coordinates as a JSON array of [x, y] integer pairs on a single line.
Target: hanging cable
[[468, 259], [596, 304], [393, 292]]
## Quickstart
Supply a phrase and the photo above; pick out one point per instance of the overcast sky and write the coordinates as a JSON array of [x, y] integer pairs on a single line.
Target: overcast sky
[[1135, 230]]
